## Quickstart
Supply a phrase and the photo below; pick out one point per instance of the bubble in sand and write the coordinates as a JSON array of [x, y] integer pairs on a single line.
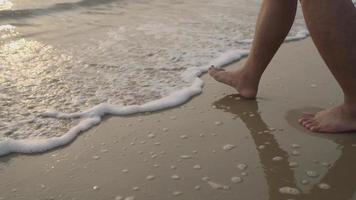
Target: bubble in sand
[[150, 177], [197, 187], [295, 153], [196, 167], [228, 147], [186, 157], [165, 129], [325, 164], [261, 147], [125, 171], [293, 164], [305, 182], [205, 178], [104, 151], [236, 179], [295, 146], [135, 188], [312, 174], [277, 158], [184, 136], [43, 186], [130, 198], [156, 165], [95, 187], [313, 85], [244, 174], [154, 156], [173, 167], [218, 186], [177, 193], [119, 198], [242, 166], [173, 117], [96, 157], [195, 151], [175, 177], [218, 123], [289, 190], [151, 135], [201, 135], [324, 186]]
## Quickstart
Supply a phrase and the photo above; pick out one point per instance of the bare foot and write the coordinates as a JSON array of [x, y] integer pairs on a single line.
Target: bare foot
[[247, 86], [333, 120]]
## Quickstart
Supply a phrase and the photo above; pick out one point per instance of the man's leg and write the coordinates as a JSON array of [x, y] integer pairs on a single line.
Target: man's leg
[[332, 25], [274, 22]]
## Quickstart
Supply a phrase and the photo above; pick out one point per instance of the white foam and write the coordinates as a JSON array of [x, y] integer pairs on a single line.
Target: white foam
[[5, 5], [6, 27], [93, 116]]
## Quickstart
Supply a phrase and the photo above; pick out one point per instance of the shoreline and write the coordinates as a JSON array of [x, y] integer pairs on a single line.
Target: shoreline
[[93, 116], [210, 136]]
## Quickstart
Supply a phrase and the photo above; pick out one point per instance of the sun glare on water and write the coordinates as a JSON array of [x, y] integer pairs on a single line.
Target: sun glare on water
[[5, 5]]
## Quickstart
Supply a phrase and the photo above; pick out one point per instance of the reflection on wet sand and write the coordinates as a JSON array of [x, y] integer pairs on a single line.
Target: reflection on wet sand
[[340, 176]]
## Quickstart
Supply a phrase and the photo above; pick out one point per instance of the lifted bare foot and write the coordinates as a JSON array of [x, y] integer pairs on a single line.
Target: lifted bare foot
[[247, 86], [333, 120]]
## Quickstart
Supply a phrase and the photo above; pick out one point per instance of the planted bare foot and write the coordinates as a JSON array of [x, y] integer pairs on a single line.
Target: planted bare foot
[[246, 85], [334, 120]]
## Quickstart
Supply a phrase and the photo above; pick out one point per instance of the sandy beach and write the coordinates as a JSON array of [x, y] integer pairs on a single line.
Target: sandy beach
[[215, 147]]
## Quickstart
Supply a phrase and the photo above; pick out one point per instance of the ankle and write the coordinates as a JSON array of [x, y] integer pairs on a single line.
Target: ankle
[[249, 73]]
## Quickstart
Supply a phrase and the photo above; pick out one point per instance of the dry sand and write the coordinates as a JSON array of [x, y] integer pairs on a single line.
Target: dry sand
[[113, 158]]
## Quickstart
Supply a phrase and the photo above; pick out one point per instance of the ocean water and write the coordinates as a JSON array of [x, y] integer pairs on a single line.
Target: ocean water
[[65, 64]]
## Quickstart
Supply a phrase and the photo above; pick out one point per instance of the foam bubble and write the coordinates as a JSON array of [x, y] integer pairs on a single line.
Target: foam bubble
[[324, 186], [177, 193], [228, 147], [289, 190], [242, 166], [218, 186], [236, 179], [150, 177]]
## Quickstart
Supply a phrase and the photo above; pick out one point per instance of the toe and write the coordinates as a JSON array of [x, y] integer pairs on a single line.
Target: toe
[[307, 122], [315, 128], [308, 115], [303, 120], [311, 124], [213, 71]]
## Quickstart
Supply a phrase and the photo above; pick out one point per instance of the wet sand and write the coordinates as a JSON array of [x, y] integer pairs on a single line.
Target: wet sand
[[193, 151]]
